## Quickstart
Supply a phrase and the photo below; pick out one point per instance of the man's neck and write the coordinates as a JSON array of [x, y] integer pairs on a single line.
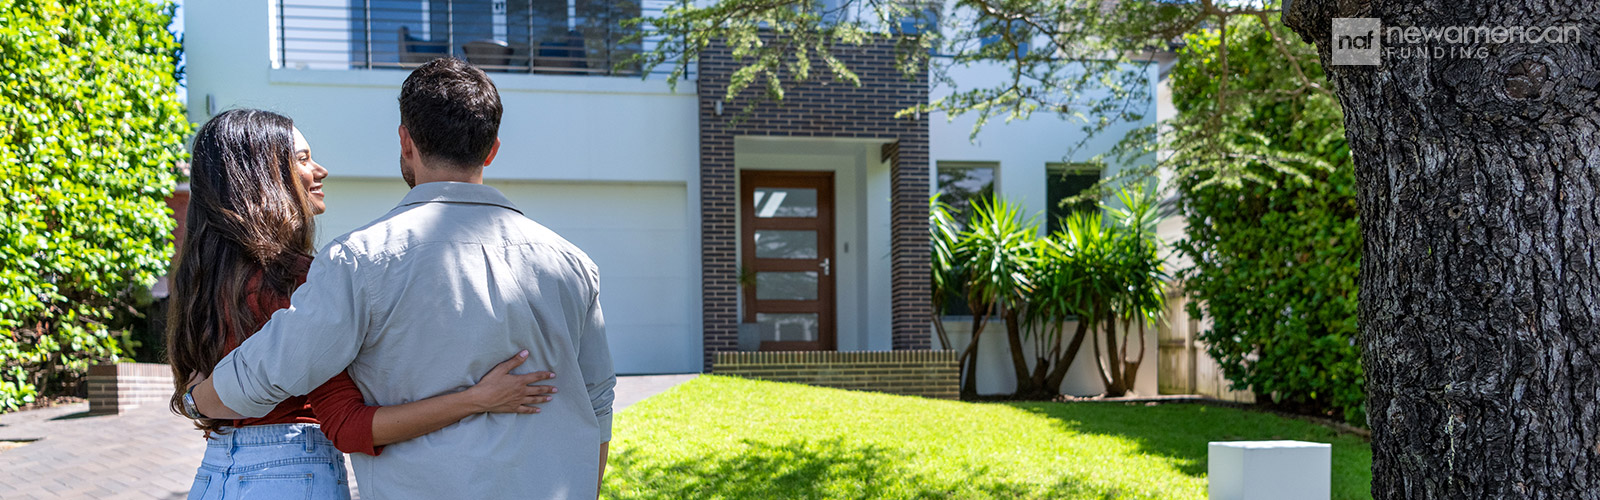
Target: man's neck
[[425, 175]]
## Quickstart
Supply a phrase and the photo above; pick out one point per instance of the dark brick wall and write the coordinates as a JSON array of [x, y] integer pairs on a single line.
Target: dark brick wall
[[932, 374], [817, 108]]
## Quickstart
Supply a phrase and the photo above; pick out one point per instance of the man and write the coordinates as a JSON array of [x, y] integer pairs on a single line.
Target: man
[[438, 291]]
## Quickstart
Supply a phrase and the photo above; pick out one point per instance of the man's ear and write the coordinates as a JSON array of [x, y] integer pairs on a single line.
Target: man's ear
[[493, 150], [408, 149]]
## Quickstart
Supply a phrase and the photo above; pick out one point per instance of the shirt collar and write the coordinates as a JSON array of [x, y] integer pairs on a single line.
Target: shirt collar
[[457, 192]]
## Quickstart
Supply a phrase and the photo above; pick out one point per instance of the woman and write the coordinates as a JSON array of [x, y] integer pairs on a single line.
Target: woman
[[253, 191]]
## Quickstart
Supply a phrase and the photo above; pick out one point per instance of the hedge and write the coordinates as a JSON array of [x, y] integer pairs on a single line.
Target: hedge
[[90, 131], [1275, 262]]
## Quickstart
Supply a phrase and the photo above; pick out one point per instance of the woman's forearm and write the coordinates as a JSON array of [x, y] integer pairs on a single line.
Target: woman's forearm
[[209, 403], [497, 392], [393, 424]]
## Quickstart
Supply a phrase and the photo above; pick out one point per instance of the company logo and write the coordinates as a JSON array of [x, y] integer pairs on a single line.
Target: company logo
[[1364, 41], [1357, 41]]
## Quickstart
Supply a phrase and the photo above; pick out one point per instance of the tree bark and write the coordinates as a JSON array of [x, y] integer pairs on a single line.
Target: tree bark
[[1019, 360], [1058, 373], [1130, 369], [1102, 363], [938, 323], [1115, 387], [969, 357], [1480, 289]]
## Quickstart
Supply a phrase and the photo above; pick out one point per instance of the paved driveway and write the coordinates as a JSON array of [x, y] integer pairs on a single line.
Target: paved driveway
[[144, 453]]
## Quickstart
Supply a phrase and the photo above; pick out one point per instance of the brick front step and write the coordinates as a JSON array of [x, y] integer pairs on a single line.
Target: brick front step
[[932, 374], [119, 387]]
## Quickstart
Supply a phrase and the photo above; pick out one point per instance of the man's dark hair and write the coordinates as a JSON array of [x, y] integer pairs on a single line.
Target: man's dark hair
[[452, 111]]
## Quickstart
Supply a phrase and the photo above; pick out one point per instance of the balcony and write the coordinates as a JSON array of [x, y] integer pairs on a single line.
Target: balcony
[[560, 37]]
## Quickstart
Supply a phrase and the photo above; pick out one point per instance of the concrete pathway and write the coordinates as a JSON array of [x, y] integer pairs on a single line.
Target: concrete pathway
[[143, 453], [633, 389]]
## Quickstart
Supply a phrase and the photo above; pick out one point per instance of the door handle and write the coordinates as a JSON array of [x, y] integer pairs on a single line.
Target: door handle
[[827, 267]]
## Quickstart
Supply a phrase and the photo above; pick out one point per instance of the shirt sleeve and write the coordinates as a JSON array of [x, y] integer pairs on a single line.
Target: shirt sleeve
[[594, 360], [304, 345], [344, 414]]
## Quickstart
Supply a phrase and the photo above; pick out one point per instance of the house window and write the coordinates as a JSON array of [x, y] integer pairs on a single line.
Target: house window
[[1066, 180], [963, 184]]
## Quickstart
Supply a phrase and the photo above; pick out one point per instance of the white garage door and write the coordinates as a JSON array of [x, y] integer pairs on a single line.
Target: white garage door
[[637, 233], [639, 236]]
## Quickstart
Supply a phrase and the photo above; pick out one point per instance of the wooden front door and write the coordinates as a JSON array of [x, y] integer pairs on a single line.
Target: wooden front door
[[787, 243]]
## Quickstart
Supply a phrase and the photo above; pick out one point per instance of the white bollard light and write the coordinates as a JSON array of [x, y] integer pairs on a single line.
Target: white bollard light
[[1270, 470]]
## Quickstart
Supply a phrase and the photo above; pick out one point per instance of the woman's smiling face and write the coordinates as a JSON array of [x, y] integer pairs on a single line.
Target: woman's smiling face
[[309, 172]]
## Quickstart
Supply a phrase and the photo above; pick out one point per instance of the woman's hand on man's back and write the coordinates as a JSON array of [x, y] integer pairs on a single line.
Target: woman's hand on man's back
[[502, 392]]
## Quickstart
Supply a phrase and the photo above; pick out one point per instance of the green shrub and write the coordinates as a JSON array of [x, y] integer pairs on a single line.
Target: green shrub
[[1106, 269], [90, 129], [1275, 262]]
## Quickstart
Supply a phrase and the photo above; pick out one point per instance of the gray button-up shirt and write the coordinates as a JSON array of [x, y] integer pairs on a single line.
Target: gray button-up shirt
[[424, 301]]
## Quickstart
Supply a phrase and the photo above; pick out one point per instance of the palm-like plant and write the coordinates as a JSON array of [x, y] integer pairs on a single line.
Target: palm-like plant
[[1070, 282], [995, 251], [1135, 298], [1104, 271], [947, 272]]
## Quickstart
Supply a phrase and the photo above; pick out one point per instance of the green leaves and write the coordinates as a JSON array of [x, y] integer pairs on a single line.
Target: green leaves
[[90, 132], [994, 249], [1096, 266], [1106, 263], [1272, 223]]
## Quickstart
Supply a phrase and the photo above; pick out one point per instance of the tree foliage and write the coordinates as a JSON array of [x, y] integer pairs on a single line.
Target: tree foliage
[[90, 131], [1079, 60], [1275, 258]]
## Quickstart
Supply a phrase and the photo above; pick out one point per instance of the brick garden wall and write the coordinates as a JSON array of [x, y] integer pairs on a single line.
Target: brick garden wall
[[819, 108], [932, 374], [116, 388]]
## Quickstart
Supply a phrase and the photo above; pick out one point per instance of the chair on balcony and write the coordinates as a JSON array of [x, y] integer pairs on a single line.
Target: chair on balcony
[[562, 55], [493, 55], [416, 50]]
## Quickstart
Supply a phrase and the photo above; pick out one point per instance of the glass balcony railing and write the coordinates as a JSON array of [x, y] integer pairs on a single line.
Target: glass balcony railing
[[566, 37]]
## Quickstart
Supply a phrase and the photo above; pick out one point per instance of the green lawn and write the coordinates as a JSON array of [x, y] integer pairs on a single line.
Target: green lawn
[[725, 438]]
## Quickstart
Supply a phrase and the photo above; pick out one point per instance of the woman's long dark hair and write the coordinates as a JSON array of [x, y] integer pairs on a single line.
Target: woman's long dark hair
[[248, 213]]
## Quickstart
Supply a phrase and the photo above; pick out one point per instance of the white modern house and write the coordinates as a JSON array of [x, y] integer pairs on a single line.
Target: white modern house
[[803, 225]]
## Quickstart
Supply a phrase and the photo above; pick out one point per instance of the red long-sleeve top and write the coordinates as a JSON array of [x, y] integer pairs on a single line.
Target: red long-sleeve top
[[337, 405]]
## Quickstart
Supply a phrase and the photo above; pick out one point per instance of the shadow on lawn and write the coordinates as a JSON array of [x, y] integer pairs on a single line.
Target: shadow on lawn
[[802, 469], [1181, 432]]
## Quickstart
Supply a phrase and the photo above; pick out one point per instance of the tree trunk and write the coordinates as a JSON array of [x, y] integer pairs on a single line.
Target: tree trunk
[[969, 367], [938, 323], [1064, 362], [1114, 385], [1019, 361], [1049, 350], [1101, 362], [969, 357], [944, 336], [1480, 289], [1130, 369]]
